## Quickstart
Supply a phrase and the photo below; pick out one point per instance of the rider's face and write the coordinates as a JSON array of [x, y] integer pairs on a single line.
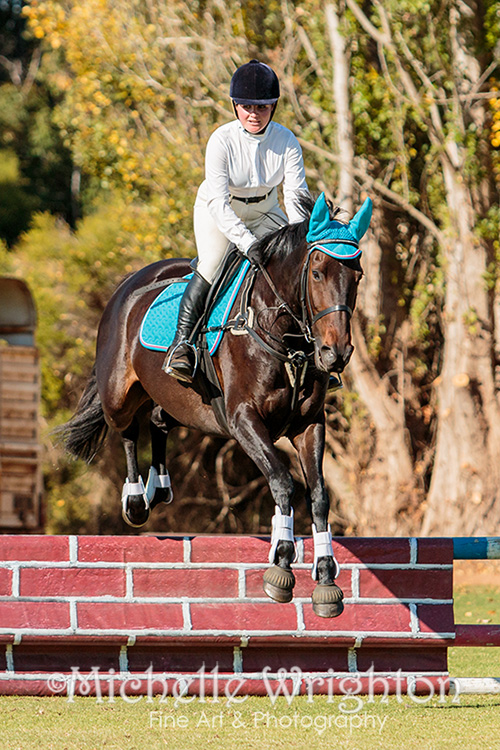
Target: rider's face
[[254, 117]]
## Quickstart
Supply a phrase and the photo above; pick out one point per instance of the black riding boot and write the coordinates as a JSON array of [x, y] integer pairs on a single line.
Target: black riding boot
[[181, 354]]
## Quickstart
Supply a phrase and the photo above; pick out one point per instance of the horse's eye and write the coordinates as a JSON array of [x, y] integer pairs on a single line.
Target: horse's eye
[[317, 275]]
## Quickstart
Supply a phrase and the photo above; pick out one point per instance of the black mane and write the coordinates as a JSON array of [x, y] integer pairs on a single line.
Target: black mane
[[281, 241]]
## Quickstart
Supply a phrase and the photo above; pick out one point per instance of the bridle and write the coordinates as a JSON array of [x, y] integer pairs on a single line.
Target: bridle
[[296, 359], [307, 318]]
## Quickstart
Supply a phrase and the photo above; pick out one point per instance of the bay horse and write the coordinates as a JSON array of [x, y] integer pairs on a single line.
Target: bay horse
[[273, 380]]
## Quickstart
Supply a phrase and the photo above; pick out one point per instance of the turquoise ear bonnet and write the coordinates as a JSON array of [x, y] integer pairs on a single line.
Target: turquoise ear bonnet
[[334, 238]]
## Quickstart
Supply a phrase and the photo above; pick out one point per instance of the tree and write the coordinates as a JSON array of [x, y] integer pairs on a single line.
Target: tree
[[38, 172], [447, 90], [395, 98], [419, 106]]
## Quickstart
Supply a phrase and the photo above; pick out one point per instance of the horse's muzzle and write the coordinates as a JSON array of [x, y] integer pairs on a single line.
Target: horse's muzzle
[[332, 359]]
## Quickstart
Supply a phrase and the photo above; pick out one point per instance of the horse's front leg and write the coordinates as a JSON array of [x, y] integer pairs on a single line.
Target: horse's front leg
[[327, 596], [248, 428]]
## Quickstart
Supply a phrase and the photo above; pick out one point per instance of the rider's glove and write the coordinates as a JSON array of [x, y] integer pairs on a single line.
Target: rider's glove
[[252, 254]]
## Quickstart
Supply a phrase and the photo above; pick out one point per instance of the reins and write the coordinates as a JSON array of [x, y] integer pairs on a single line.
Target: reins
[[295, 361], [243, 323]]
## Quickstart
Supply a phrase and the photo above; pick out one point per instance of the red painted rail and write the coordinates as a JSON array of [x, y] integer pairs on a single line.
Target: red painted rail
[[175, 609]]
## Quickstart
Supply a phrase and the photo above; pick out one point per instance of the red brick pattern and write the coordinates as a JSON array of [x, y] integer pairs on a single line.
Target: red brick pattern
[[366, 551], [227, 549], [128, 616], [244, 616], [363, 618], [193, 583], [180, 602], [129, 549], [50, 548], [173, 583], [72, 582], [405, 584], [5, 582], [18, 615], [435, 550]]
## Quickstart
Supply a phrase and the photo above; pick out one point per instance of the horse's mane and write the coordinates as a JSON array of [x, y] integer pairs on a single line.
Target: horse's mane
[[282, 241]]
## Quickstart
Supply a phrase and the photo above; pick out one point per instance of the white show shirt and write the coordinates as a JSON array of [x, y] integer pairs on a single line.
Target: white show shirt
[[239, 163]]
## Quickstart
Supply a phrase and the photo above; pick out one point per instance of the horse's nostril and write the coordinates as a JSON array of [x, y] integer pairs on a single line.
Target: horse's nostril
[[330, 352]]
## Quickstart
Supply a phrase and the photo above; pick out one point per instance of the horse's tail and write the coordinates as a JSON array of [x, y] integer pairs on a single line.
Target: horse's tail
[[86, 431]]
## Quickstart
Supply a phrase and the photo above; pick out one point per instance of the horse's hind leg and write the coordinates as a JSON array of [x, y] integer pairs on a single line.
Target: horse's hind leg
[[158, 488], [135, 504]]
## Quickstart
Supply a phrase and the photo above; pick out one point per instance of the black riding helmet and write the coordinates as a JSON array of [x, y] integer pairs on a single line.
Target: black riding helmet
[[254, 83]]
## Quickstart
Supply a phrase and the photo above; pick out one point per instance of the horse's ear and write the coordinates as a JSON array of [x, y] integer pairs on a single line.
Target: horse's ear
[[320, 218], [360, 223]]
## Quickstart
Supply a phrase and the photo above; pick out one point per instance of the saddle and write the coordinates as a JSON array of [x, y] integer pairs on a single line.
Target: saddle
[[160, 321]]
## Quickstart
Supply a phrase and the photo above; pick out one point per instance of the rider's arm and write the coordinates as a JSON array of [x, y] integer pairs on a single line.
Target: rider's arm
[[217, 169], [294, 182]]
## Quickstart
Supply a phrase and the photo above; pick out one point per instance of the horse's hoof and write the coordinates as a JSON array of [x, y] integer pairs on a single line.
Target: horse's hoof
[[162, 495], [279, 583], [327, 600], [135, 510]]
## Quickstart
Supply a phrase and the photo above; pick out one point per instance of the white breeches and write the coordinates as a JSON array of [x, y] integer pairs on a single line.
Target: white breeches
[[260, 218]]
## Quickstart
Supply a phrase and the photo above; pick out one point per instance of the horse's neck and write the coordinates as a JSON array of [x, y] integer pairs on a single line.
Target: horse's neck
[[285, 278]]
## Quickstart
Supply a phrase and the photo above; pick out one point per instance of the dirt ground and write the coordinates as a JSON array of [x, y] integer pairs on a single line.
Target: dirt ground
[[476, 573]]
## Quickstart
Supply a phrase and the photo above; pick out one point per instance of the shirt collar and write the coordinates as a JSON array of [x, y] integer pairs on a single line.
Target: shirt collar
[[254, 136]]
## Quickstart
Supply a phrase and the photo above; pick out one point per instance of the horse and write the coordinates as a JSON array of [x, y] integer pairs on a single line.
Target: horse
[[294, 325]]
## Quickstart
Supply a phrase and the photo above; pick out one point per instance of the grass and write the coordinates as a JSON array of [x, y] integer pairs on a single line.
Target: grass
[[54, 724], [472, 722], [475, 604]]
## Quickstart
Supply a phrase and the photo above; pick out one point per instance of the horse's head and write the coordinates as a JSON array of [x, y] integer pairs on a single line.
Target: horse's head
[[330, 280]]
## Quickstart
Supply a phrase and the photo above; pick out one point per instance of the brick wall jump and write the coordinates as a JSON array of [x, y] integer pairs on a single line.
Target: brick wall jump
[[176, 605]]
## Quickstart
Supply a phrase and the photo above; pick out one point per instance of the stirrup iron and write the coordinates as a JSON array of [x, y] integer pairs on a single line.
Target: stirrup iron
[[167, 364]]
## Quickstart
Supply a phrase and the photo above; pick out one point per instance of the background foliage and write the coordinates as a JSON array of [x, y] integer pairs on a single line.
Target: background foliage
[[105, 111]]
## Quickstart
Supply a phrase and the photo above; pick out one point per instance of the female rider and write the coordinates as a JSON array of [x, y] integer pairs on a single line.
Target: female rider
[[246, 160]]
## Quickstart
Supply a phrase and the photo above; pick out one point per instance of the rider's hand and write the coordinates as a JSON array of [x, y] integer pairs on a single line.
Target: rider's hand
[[252, 253]]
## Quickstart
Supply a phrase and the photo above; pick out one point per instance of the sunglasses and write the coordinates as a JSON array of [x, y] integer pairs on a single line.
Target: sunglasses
[[255, 107]]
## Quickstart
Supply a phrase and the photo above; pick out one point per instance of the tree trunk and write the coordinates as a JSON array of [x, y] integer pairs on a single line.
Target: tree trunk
[[464, 490], [466, 471], [345, 133], [387, 481]]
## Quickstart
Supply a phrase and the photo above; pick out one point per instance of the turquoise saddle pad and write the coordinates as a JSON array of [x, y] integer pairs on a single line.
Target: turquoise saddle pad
[[160, 322]]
